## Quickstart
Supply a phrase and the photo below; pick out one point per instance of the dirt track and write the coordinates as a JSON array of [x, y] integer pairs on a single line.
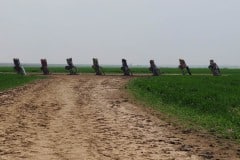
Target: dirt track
[[91, 118]]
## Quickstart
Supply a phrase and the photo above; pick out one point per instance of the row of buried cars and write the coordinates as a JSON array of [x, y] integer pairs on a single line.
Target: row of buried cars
[[125, 69]]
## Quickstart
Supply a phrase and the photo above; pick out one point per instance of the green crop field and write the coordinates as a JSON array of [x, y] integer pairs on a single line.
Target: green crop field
[[211, 103], [13, 80], [80, 70], [117, 70]]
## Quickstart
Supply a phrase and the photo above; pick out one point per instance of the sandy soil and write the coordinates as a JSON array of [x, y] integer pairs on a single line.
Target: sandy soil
[[91, 118]]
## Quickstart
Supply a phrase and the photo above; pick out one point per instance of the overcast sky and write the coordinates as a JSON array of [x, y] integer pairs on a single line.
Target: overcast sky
[[138, 30]]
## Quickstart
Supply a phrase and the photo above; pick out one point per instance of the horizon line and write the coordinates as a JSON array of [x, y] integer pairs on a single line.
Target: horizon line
[[115, 65]]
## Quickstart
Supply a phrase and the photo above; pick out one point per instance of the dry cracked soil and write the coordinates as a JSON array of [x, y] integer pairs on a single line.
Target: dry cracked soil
[[88, 117]]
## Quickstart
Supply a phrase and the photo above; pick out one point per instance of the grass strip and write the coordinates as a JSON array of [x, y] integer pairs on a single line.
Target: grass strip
[[8, 81], [107, 69]]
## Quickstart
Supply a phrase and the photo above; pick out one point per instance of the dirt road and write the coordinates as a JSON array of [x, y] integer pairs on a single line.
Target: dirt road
[[91, 118]]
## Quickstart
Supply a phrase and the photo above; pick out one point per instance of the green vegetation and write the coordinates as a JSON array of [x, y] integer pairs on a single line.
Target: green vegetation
[[212, 103], [30, 69], [112, 70], [13, 80], [81, 69]]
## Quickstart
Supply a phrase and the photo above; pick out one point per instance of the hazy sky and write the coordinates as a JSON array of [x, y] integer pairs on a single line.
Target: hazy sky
[[138, 30]]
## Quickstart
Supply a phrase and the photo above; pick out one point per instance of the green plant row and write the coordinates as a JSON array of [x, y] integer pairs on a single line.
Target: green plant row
[[13, 80], [136, 70], [209, 102]]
